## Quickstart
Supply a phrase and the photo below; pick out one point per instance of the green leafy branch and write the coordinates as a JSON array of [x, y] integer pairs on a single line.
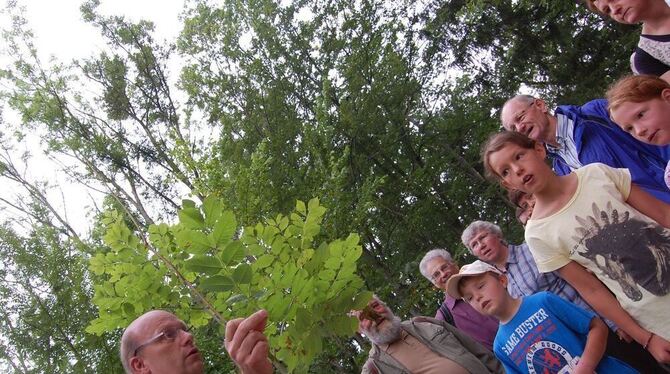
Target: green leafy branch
[[229, 272]]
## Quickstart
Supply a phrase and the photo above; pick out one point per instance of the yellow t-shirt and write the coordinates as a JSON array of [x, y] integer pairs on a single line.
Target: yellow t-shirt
[[628, 251]]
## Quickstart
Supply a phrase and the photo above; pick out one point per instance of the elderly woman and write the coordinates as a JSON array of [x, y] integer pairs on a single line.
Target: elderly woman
[[485, 241], [437, 266]]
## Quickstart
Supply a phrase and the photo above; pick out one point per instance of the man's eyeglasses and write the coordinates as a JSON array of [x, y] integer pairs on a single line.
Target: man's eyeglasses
[[169, 334], [444, 269], [520, 116]]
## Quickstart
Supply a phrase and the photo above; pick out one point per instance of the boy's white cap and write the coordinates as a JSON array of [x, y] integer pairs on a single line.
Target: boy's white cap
[[469, 270]]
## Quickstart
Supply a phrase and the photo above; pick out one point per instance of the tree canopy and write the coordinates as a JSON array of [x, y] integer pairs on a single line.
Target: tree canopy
[[309, 153]]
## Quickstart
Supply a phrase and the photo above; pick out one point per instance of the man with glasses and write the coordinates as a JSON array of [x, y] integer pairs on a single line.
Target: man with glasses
[[580, 135], [158, 342], [437, 266]]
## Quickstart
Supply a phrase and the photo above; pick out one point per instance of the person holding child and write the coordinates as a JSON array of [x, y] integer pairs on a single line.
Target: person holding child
[[652, 55], [640, 105], [595, 218], [539, 333]]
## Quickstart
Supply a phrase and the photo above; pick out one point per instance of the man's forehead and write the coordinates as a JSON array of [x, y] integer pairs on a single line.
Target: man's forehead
[[155, 320], [513, 106], [436, 262]]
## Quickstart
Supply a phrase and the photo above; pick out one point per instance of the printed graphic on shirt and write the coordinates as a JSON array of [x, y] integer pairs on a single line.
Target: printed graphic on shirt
[[545, 357], [630, 251], [527, 343]]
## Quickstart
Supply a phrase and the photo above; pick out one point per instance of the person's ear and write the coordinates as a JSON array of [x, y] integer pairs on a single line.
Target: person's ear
[[665, 95], [540, 105], [539, 148], [503, 280], [137, 365]]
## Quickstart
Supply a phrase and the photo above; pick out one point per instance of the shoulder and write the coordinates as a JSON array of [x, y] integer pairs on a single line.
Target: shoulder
[[425, 320], [601, 171], [594, 108]]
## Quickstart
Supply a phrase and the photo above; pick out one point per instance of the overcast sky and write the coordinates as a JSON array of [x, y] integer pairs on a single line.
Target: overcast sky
[[60, 32]]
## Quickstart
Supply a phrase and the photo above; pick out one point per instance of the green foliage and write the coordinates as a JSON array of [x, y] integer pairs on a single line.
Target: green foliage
[[376, 107], [307, 285]]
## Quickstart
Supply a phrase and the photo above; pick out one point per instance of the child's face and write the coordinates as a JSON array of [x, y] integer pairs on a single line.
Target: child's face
[[648, 121], [486, 292], [520, 168], [527, 203], [624, 11]]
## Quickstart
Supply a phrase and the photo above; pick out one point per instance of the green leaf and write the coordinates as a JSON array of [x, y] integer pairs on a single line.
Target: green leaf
[[224, 228], [212, 207], [128, 309], [327, 274], [300, 207], [233, 253], [362, 300], [313, 204], [192, 241], [217, 283], [209, 265], [191, 218], [242, 274], [236, 298], [264, 261]]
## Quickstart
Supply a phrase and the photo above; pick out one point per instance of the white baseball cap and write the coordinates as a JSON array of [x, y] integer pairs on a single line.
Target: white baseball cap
[[469, 270]]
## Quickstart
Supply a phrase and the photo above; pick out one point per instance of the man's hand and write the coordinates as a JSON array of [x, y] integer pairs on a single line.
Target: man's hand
[[247, 345], [660, 349]]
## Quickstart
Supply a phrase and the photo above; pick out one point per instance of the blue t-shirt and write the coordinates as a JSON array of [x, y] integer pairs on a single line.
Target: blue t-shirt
[[545, 336]]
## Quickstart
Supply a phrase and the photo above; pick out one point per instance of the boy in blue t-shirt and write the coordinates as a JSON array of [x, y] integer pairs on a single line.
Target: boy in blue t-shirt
[[541, 333]]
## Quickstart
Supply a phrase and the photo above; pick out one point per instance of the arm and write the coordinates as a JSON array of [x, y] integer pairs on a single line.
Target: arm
[[605, 304], [247, 345], [648, 205], [595, 347]]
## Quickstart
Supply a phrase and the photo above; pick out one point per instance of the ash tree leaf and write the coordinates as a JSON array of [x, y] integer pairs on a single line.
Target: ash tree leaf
[[217, 283], [224, 228], [190, 217], [242, 274], [212, 207], [264, 261], [209, 265], [232, 253], [236, 298], [300, 207], [192, 241]]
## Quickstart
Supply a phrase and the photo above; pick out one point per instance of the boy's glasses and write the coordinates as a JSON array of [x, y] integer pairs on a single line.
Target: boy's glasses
[[169, 334]]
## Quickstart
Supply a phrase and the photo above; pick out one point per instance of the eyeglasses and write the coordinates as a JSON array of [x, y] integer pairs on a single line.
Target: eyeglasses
[[444, 269], [520, 116], [476, 242], [169, 334]]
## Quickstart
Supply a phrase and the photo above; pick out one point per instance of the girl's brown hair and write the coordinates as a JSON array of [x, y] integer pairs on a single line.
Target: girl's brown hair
[[496, 142], [636, 89]]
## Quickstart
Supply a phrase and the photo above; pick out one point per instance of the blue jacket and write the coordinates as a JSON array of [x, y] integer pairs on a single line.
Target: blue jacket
[[598, 139]]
